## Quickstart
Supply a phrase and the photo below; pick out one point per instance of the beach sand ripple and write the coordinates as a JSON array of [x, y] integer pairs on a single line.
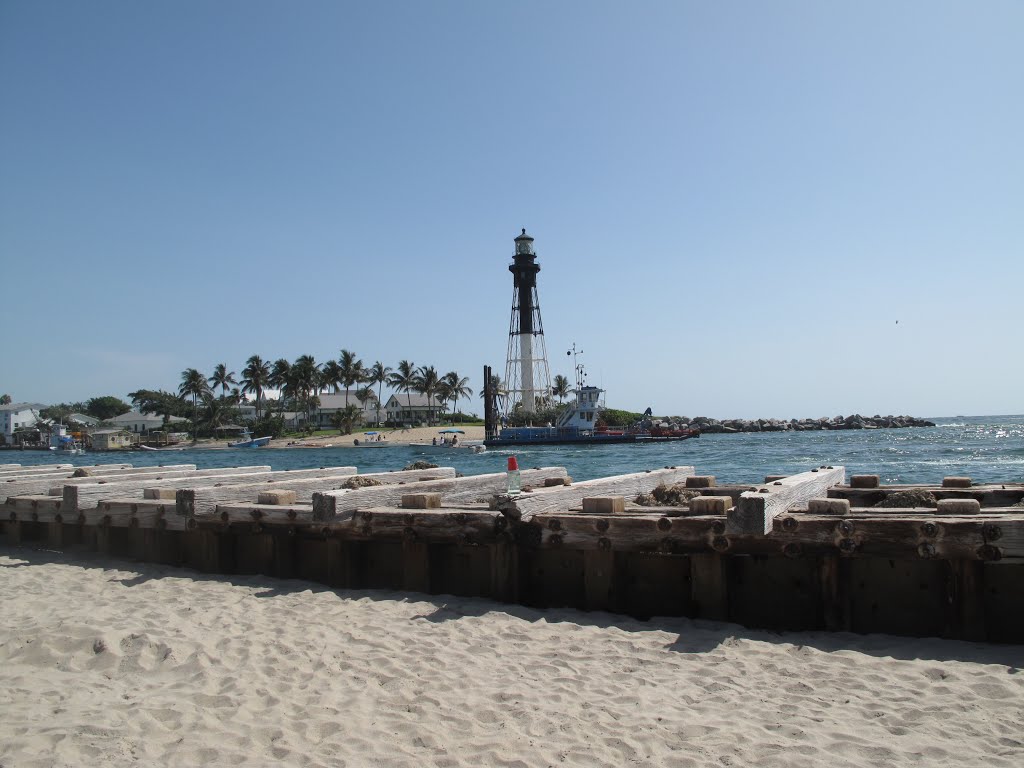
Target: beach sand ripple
[[106, 663]]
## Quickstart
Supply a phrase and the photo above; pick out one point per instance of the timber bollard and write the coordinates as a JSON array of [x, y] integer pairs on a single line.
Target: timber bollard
[[604, 505], [710, 505], [829, 506], [421, 501]]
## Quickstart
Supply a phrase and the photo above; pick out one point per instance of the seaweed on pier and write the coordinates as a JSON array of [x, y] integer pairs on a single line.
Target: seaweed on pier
[[677, 495], [360, 482], [916, 497], [419, 465]]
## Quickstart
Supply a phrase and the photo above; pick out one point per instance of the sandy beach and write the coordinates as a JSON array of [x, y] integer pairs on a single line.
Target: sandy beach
[[411, 436], [110, 663]]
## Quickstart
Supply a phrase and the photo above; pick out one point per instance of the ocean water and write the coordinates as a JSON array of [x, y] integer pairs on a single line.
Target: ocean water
[[985, 448]]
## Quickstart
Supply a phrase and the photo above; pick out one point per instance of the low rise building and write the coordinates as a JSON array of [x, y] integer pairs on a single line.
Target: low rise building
[[18, 416], [141, 423], [111, 440], [412, 408]]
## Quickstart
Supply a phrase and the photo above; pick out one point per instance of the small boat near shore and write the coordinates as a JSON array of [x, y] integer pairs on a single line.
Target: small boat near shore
[[248, 441], [163, 448], [371, 440]]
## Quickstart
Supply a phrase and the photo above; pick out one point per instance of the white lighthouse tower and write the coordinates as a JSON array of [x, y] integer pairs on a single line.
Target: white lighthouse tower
[[527, 376]]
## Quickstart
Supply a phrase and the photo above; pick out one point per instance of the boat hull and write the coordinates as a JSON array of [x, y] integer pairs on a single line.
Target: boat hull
[[585, 439], [257, 442]]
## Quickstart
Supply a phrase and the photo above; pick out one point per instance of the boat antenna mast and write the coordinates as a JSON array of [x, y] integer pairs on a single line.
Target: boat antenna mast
[[581, 375]]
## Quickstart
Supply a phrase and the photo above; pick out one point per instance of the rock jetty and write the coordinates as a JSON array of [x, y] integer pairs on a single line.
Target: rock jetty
[[856, 421]]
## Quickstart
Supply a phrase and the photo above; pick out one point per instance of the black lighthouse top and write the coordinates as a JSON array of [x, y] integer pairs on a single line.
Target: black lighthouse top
[[524, 265], [524, 245]]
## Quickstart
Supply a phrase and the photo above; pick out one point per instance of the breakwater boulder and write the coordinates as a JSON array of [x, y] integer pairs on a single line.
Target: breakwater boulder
[[708, 425]]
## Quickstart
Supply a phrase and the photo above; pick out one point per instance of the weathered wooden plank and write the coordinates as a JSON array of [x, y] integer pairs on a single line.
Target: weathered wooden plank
[[835, 601], [341, 505], [709, 586], [415, 565], [458, 526], [133, 513], [205, 500], [40, 469], [965, 598], [971, 538], [85, 495], [525, 506], [913, 512], [34, 509], [505, 568], [598, 578], [43, 483], [755, 511], [263, 514]]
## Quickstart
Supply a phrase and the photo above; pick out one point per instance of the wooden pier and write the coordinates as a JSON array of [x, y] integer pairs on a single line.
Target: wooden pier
[[808, 551]]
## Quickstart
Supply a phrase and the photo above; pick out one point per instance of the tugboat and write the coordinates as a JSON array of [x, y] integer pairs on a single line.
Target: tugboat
[[580, 423]]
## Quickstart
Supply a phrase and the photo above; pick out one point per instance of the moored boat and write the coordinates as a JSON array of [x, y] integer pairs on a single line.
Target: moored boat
[[580, 423], [248, 441]]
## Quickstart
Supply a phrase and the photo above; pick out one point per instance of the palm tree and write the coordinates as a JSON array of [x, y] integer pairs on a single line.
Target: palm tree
[[306, 381], [255, 377], [378, 374], [280, 375], [331, 374], [222, 378], [425, 382], [216, 412], [403, 379], [458, 386], [560, 389], [444, 393], [352, 371], [364, 395], [193, 384]]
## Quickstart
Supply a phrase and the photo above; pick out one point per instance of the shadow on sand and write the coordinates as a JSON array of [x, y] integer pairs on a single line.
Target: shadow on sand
[[692, 636]]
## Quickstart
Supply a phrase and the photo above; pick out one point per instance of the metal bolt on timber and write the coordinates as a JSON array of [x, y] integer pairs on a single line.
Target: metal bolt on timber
[[990, 553], [601, 525], [664, 524], [991, 532], [926, 550], [931, 530], [554, 525]]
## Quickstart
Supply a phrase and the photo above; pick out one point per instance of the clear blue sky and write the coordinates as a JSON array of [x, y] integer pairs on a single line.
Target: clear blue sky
[[733, 203]]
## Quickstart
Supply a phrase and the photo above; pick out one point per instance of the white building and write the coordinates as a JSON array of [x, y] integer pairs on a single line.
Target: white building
[[18, 415], [140, 423]]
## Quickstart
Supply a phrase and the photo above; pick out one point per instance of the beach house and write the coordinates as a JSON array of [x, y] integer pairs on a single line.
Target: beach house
[[17, 415], [331, 404], [412, 408], [141, 423]]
